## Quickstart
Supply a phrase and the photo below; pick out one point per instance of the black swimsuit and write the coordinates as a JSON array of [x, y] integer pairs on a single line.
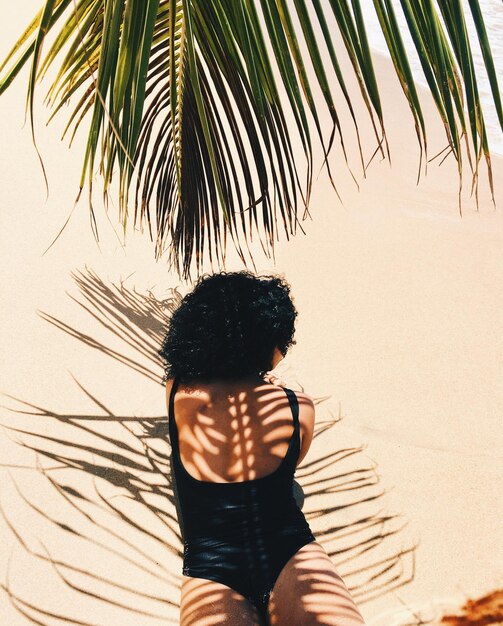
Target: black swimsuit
[[241, 533]]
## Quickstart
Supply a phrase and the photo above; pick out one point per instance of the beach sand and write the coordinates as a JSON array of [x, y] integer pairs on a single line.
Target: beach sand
[[398, 340]]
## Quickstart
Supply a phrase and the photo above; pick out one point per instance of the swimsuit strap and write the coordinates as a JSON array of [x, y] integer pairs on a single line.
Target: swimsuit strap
[[294, 405]]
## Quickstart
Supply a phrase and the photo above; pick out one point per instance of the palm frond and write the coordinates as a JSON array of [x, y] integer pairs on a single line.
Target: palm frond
[[201, 105]]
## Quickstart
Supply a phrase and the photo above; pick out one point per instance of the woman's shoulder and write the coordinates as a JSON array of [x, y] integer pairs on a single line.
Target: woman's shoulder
[[301, 396], [306, 402], [190, 392]]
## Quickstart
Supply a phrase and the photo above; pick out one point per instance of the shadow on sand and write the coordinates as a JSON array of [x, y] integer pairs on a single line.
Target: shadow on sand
[[96, 511]]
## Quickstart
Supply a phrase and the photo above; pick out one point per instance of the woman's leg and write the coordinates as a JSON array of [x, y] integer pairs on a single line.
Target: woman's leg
[[207, 603], [310, 592]]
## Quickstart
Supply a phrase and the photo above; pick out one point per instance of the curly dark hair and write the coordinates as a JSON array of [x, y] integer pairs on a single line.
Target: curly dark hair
[[228, 326]]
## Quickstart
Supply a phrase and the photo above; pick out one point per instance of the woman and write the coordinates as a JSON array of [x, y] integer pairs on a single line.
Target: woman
[[237, 434]]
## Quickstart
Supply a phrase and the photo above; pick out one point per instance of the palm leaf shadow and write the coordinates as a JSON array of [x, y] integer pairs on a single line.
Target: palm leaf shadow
[[111, 499]]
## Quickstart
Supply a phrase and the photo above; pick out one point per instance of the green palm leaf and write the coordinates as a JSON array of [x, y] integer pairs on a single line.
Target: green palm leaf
[[200, 104]]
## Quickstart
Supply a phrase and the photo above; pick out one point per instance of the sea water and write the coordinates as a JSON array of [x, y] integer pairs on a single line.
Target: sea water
[[492, 11]]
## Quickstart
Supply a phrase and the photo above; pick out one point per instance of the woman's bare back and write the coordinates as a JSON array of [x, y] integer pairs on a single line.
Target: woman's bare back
[[238, 431]]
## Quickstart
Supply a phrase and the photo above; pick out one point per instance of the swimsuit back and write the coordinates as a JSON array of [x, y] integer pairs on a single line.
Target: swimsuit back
[[239, 533]]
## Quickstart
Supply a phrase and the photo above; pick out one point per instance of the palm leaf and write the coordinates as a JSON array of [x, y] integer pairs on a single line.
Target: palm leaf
[[200, 105]]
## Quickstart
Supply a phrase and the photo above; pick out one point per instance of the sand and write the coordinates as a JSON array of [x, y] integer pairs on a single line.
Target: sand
[[399, 340]]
